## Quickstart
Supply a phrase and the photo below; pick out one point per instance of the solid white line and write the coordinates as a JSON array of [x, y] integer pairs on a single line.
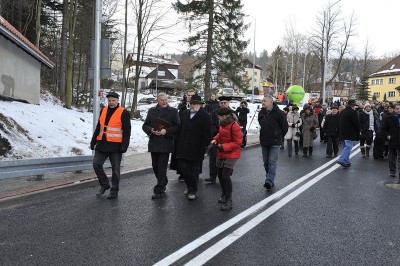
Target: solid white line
[[232, 237], [221, 228]]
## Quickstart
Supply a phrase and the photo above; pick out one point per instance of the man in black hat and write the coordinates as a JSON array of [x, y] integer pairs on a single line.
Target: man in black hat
[[110, 139], [349, 130], [194, 135]]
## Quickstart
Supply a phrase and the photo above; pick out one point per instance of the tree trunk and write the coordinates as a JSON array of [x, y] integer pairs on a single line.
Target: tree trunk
[[38, 15], [64, 44], [207, 78], [70, 54]]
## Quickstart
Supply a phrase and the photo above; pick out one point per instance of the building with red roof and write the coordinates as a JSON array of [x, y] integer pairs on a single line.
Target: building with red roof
[[20, 65]]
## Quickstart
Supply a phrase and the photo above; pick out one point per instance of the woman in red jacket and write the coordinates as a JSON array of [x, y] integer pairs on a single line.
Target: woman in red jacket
[[228, 141]]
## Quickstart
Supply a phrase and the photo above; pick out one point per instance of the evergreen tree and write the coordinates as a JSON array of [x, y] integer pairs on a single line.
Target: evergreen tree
[[217, 27], [363, 90]]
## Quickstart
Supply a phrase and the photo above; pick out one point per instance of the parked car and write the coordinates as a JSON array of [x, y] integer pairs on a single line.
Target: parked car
[[147, 100]]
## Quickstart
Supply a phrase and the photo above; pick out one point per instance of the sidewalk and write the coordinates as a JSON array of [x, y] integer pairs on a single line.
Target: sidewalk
[[135, 163]]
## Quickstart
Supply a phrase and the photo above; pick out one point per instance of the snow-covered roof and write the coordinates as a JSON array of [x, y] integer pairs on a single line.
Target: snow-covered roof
[[389, 69]]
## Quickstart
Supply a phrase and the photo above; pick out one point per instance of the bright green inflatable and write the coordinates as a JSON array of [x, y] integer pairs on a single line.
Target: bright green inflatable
[[295, 94]]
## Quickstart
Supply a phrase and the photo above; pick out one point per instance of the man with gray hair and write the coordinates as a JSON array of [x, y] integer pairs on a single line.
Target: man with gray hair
[[161, 125], [274, 127]]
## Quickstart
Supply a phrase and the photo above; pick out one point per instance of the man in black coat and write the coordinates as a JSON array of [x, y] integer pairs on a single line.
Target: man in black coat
[[161, 125], [391, 131], [331, 131], [349, 130], [274, 127], [194, 136], [110, 139]]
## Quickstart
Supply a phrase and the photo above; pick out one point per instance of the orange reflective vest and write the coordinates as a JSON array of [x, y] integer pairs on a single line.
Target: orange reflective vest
[[113, 130]]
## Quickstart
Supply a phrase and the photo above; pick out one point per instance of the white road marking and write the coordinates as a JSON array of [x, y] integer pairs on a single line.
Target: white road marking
[[235, 235], [223, 227]]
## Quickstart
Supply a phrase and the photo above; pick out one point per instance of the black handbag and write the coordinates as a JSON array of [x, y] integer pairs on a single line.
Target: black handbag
[[298, 134]]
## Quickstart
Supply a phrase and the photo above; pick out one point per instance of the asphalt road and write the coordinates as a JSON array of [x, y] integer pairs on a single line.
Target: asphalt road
[[328, 216]]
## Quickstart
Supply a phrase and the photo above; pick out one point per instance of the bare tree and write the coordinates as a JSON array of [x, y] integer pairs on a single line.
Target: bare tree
[[150, 25], [331, 37]]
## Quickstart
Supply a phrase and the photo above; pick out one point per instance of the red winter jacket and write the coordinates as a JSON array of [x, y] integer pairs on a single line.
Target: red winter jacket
[[230, 137]]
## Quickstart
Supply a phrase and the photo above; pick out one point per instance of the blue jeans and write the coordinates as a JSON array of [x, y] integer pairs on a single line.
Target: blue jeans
[[345, 155], [270, 159]]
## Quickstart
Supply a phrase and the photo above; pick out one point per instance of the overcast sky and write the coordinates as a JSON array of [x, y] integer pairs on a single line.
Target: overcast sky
[[376, 22]]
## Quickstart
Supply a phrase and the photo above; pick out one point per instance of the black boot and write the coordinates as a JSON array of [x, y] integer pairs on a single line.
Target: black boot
[[362, 148], [310, 150], [367, 151], [305, 151], [227, 205]]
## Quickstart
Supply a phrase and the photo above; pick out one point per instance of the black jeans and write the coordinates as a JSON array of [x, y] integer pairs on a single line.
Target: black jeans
[[212, 162], [190, 171], [332, 145], [393, 159], [159, 161], [115, 160]]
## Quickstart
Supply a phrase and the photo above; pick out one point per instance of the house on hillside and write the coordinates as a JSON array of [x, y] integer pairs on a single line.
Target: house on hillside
[[248, 74], [20, 65], [386, 80], [160, 68]]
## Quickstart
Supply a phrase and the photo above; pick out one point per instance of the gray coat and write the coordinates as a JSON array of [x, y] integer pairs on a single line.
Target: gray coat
[[309, 121], [161, 144]]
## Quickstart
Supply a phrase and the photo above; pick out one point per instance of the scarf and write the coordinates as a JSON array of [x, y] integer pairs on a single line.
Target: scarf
[[371, 119]]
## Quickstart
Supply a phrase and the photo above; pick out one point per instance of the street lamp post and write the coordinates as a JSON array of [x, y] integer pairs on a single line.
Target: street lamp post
[[304, 69], [158, 55], [276, 74], [254, 59]]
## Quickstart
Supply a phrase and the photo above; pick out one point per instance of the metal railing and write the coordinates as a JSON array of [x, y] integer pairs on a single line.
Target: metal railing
[[40, 167]]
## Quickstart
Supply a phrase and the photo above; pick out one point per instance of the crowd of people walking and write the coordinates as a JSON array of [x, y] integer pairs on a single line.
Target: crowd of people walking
[[197, 128]]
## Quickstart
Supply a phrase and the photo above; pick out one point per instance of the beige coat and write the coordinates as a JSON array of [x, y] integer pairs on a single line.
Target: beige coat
[[292, 119]]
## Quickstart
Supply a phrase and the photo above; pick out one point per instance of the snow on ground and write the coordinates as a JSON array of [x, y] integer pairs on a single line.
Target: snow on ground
[[50, 130]]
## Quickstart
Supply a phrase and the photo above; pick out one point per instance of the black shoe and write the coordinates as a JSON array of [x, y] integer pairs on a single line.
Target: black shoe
[[268, 185], [181, 178], [392, 175], [112, 195], [102, 191], [227, 206], [328, 156], [343, 164], [222, 199], [210, 180], [156, 196]]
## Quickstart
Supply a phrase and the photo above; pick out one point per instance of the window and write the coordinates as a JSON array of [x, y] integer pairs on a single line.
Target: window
[[380, 81], [373, 82], [392, 80], [391, 93], [377, 94]]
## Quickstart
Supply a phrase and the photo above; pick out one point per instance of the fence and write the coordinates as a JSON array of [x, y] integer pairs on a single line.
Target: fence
[[40, 167]]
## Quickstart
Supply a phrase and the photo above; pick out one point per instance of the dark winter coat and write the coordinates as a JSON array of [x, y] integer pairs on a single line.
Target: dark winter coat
[[365, 126], [230, 136], [331, 125], [194, 135], [273, 125], [161, 144], [391, 129], [211, 108], [241, 113], [105, 146], [349, 128]]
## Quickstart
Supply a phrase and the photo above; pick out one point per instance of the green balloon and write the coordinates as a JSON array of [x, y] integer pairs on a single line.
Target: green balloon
[[295, 94]]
